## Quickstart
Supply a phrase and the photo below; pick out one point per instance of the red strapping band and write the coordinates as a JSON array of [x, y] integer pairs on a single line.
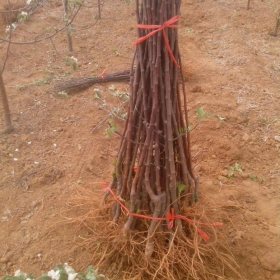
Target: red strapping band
[[172, 23], [170, 217], [103, 73]]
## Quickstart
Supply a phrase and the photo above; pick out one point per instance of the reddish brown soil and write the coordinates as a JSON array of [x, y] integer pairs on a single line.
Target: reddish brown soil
[[232, 66]]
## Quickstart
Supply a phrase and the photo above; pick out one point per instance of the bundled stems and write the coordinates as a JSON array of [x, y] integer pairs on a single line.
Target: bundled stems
[[154, 169]]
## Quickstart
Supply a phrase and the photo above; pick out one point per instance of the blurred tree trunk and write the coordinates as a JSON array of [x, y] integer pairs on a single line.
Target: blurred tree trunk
[[248, 4], [7, 114], [68, 29], [99, 9], [277, 24]]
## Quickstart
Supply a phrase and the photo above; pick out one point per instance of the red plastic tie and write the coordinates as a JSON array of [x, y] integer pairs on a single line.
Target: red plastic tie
[[170, 217], [171, 23], [103, 73]]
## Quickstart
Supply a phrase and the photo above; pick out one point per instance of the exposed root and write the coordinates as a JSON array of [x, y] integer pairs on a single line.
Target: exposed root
[[176, 254]]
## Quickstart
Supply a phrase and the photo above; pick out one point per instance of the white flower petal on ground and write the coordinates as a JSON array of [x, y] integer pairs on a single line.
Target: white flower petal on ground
[[8, 28], [70, 271], [19, 273], [74, 59], [55, 275]]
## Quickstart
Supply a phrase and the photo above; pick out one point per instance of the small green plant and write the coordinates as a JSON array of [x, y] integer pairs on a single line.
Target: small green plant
[[201, 113], [256, 179], [91, 274], [184, 130], [22, 17], [119, 113], [112, 129], [181, 188], [62, 94], [127, 1], [72, 62], [75, 3], [44, 81], [40, 82], [116, 52], [122, 95], [97, 93], [234, 170]]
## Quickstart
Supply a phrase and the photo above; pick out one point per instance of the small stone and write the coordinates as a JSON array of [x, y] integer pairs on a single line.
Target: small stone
[[218, 125], [270, 260], [197, 89], [254, 260], [221, 178], [275, 276], [36, 204], [250, 199], [236, 236], [277, 138], [4, 260], [267, 274], [245, 137], [224, 173], [244, 175]]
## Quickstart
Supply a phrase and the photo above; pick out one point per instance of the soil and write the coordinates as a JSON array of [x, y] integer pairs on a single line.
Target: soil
[[232, 69]]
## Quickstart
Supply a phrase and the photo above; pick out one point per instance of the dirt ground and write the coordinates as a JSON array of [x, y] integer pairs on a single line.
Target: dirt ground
[[232, 67]]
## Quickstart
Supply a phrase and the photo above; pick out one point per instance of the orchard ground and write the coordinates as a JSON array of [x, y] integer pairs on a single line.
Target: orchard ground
[[232, 68]]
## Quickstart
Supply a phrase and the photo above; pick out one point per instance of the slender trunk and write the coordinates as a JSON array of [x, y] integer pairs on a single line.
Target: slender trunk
[[248, 4], [277, 25], [99, 9], [6, 108], [68, 29]]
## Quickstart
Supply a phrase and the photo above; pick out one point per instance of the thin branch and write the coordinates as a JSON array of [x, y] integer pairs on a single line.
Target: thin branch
[[35, 41]]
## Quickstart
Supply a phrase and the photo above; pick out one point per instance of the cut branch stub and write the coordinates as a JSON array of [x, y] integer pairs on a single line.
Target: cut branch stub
[[154, 155]]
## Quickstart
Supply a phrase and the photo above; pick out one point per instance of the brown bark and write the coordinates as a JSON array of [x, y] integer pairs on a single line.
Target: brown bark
[[6, 108], [99, 9], [154, 155], [248, 4], [68, 29]]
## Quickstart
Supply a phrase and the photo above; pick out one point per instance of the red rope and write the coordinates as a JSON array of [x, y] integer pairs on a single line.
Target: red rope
[[170, 217], [172, 23]]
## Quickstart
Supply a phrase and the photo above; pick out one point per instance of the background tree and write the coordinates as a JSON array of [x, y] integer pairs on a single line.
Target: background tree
[[277, 24], [248, 4], [6, 108], [69, 27]]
